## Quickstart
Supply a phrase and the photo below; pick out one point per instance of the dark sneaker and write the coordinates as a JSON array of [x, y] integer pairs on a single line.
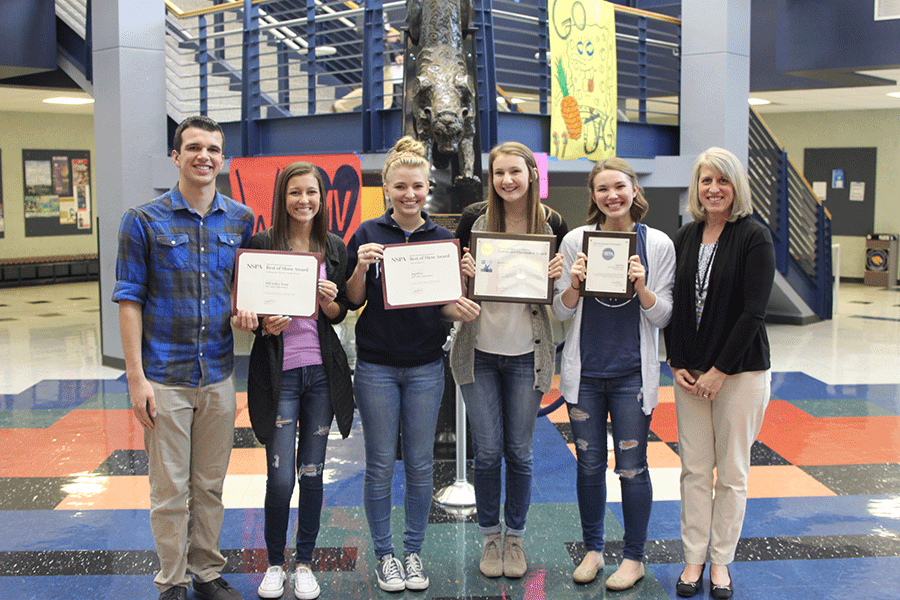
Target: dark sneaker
[[416, 578], [176, 592], [217, 589], [390, 574]]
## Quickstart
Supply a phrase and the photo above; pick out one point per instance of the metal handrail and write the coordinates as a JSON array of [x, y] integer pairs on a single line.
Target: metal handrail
[[619, 36], [186, 14], [646, 13], [785, 201]]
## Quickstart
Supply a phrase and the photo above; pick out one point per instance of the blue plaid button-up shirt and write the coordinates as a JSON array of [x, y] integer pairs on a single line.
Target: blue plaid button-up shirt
[[178, 265]]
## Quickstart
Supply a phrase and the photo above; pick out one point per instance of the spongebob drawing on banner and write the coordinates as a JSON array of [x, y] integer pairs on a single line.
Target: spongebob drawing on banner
[[583, 50]]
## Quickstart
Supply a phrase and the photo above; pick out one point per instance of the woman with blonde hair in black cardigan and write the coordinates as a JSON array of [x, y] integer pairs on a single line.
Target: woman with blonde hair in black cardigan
[[719, 354]]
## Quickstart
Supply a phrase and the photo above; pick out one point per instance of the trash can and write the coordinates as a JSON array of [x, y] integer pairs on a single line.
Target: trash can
[[881, 259]]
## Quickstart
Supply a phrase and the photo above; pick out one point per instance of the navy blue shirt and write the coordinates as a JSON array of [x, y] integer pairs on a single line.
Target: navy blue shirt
[[610, 329], [400, 337]]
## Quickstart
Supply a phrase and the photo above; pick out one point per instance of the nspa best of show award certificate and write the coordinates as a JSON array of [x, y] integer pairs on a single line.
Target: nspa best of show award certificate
[[421, 274], [269, 282], [607, 264]]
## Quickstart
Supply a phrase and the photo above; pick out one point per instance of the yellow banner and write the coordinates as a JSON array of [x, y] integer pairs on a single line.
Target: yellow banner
[[583, 74]]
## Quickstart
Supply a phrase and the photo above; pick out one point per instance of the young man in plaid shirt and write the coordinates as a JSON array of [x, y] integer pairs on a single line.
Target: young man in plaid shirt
[[174, 272]]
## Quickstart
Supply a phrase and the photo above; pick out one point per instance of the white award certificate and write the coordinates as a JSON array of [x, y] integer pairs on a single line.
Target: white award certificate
[[512, 267], [421, 274], [607, 264], [269, 282]]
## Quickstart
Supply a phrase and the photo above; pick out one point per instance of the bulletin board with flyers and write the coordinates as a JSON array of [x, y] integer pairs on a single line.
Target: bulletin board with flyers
[[57, 192]]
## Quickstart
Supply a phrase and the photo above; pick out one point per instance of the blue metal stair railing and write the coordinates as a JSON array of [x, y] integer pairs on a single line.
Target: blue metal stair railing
[[800, 224], [312, 62]]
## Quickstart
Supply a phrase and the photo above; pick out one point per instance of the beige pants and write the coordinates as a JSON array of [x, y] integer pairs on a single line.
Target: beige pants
[[717, 436], [189, 449]]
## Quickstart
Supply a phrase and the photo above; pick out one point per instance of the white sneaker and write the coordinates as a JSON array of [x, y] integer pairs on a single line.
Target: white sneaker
[[272, 585], [416, 578], [305, 585]]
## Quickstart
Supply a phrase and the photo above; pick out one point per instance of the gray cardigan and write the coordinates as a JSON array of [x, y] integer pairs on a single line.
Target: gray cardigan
[[462, 353]]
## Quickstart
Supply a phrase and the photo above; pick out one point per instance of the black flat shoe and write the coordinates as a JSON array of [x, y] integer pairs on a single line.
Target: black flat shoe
[[723, 592], [686, 589]]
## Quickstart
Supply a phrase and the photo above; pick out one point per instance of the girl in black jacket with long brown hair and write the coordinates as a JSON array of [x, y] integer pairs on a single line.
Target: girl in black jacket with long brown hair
[[299, 379]]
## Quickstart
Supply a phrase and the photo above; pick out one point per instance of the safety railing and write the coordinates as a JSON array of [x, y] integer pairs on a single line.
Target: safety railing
[[800, 224], [648, 53], [73, 13], [73, 40], [238, 60], [300, 58], [313, 62], [648, 47]]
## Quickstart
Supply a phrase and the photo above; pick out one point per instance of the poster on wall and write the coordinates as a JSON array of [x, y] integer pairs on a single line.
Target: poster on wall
[[83, 206], [583, 80], [253, 184], [57, 192]]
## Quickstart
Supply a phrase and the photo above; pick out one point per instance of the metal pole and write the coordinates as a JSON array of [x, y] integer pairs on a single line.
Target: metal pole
[[460, 493]]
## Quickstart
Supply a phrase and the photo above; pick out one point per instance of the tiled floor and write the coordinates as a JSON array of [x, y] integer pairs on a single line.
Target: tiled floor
[[823, 521]]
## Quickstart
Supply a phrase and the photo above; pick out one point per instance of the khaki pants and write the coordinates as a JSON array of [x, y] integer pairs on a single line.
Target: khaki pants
[[188, 450], [716, 436]]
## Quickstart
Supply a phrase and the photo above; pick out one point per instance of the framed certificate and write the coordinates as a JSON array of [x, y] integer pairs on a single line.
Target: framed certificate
[[607, 263], [421, 274], [512, 267], [269, 282]]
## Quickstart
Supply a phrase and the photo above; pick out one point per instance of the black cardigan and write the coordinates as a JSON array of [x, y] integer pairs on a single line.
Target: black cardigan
[[732, 334], [267, 354]]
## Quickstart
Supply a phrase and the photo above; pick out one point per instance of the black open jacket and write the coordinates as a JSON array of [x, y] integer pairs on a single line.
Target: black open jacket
[[732, 333], [267, 354]]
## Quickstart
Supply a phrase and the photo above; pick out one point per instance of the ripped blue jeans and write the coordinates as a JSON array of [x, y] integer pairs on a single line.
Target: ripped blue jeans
[[301, 435], [620, 397]]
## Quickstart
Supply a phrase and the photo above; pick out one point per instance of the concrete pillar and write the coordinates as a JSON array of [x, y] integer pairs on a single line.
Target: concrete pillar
[[715, 76], [129, 131]]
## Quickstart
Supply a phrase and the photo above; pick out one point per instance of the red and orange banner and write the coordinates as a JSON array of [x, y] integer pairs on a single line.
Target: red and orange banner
[[253, 183]]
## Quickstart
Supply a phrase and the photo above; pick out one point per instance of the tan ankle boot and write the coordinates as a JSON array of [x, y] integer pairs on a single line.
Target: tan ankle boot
[[514, 562], [491, 564]]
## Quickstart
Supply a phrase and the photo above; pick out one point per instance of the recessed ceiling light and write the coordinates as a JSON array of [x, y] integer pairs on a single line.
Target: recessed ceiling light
[[757, 101], [894, 94], [68, 100]]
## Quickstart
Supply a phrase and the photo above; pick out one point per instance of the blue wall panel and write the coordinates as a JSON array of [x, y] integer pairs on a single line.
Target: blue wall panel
[[799, 44], [28, 28]]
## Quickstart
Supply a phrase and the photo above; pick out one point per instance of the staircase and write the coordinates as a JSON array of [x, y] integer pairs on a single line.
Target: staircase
[[800, 226]]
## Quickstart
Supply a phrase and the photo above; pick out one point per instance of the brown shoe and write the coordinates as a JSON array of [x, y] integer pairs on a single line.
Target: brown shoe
[[589, 567], [491, 564], [514, 564]]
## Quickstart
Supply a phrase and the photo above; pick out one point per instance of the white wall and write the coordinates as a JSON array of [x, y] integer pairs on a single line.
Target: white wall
[[40, 131], [850, 129]]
